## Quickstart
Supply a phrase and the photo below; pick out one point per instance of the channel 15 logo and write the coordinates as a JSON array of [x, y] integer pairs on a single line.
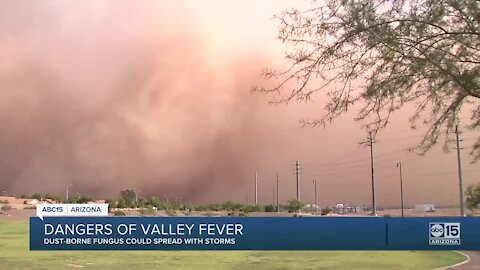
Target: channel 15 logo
[[444, 233]]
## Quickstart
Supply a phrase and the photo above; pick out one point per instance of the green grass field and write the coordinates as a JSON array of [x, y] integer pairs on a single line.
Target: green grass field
[[15, 254]]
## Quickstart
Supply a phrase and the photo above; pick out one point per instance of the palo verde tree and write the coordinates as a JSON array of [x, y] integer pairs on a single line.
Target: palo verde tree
[[381, 55], [294, 205], [127, 199], [473, 197]]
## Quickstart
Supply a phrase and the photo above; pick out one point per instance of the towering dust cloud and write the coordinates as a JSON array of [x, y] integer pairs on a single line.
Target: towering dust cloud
[[108, 96], [155, 96]]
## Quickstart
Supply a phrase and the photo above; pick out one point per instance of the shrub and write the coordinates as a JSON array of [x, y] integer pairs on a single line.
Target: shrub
[[188, 211], [36, 196], [259, 208], [214, 207], [248, 208], [270, 208], [231, 206], [199, 208], [148, 211], [294, 205], [171, 212], [119, 213], [326, 211], [6, 207], [253, 208], [111, 204], [121, 204]]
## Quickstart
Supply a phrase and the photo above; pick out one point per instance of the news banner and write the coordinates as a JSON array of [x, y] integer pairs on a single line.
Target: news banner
[[88, 227]]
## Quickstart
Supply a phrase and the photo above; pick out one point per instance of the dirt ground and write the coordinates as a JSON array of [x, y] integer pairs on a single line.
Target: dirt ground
[[17, 214]]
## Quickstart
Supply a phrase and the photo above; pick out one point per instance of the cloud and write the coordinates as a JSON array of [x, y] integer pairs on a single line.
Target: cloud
[[108, 97]]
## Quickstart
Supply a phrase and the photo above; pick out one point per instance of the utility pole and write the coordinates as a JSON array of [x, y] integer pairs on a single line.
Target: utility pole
[[246, 199], [374, 202], [316, 202], [278, 207], [399, 165], [167, 196], [297, 174], [136, 195], [273, 196], [66, 195], [460, 176], [256, 188]]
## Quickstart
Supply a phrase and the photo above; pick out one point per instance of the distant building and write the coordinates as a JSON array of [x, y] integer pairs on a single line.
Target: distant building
[[33, 202], [422, 208], [48, 201], [97, 201]]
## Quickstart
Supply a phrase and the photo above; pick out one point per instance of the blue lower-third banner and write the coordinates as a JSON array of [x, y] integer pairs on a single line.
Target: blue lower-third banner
[[254, 233]]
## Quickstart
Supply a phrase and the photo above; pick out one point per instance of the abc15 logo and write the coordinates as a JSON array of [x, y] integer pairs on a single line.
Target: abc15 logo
[[445, 230]]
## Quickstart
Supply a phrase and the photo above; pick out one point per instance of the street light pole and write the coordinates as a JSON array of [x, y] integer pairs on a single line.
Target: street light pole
[[399, 165], [316, 203]]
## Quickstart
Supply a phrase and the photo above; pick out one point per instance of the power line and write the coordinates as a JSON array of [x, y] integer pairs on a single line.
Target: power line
[[340, 158], [382, 157], [439, 173], [360, 166]]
